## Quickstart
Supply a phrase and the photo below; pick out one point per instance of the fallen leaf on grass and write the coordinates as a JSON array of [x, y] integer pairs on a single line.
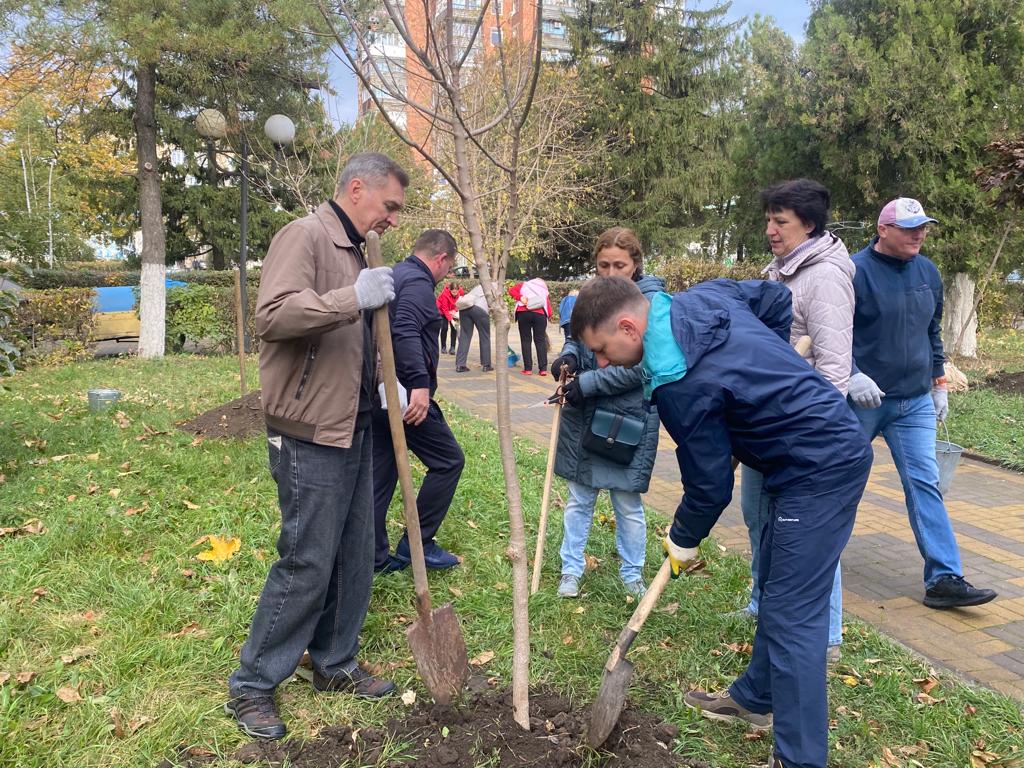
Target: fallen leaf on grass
[[670, 609], [198, 441], [114, 493], [567, 640], [742, 648], [37, 593], [189, 505], [69, 695], [61, 457], [925, 684], [29, 528], [4, 677], [455, 591], [122, 420], [924, 698], [500, 586], [76, 653], [91, 488], [853, 682], [981, 758], [591, 563], [482, 658], [192, 628], [889, 759], [24, 678], [221, 549], [970, 710], [471, 524], [409, 698], [92, 457]]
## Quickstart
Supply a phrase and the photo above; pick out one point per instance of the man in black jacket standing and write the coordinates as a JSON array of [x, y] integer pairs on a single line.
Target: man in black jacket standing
[[415, 323]]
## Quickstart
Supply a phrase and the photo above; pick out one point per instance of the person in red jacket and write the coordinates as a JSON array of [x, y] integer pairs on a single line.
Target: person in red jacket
[[533, 308], [446, 306]]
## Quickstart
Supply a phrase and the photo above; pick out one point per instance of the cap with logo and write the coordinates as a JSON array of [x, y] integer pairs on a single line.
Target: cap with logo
[[904, 212]]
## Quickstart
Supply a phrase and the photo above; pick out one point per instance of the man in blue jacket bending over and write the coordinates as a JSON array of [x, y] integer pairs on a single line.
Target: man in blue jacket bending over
[[717, 361]]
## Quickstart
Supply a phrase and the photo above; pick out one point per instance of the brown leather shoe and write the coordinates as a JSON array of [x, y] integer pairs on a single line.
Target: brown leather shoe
[[358, 682], [257, 716]]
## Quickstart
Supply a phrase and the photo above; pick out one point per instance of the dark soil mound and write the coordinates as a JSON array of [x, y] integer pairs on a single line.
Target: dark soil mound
[[1009, 383], [241, 418], [481, 731]]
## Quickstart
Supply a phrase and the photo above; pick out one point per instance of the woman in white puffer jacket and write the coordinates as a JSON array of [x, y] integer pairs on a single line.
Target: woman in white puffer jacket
[[816, 267]]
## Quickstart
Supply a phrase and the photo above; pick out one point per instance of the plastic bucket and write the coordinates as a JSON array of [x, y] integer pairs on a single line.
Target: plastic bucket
[[947, 456], [513, 358], [101, 399]]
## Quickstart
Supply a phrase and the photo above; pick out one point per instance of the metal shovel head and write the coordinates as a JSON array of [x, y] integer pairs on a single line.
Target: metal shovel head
[[440, 651], [610, 700]]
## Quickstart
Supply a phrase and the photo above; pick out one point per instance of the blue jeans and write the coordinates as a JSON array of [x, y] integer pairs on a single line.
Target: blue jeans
[[317, 594], [754, 503], [630, 530], [908, 426]]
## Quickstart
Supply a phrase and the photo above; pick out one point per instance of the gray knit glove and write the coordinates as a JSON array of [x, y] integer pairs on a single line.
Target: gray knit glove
[[374, 287], [864, 392]]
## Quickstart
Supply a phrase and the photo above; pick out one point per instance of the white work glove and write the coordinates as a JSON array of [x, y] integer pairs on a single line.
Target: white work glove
[[680, 558], [374, 287], [864, 392], [403, 397], [940, 399]]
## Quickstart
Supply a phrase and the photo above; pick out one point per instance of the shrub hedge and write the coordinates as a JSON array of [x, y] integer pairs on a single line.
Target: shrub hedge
[[56, 324], [91, 277]]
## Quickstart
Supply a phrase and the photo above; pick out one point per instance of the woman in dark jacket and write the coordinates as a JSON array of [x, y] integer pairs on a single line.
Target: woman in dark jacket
[[614, 390]]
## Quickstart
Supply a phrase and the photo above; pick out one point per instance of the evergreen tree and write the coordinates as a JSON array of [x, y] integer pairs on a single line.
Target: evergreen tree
[[664, 90]]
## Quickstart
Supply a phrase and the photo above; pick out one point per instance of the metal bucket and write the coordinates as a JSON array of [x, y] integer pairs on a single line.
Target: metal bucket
[[101, 399], [947, 456]]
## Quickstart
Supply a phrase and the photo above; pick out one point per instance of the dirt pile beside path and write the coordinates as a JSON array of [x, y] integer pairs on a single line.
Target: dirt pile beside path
[[1008, 383], [241, 418], [480, 732]]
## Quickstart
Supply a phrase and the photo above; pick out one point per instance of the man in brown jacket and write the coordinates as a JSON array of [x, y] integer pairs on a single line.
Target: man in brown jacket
[[317, 358]]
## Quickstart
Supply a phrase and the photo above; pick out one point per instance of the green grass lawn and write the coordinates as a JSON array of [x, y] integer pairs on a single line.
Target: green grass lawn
[[124, 640], [984, 420]]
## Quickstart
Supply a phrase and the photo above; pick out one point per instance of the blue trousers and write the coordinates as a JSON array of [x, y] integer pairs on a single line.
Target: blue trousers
[[756, 507], [434, 444], [809, 527], [317, 593], [908, 426]]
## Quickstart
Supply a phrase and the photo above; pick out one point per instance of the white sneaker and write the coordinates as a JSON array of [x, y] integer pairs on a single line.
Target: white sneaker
[[636, 588], [569, 586]]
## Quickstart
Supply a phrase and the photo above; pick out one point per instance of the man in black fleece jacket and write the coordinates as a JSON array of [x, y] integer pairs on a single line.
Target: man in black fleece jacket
[[415, 322]]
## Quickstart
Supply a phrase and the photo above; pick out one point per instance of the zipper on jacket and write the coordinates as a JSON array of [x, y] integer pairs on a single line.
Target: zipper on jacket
[[306, 370]]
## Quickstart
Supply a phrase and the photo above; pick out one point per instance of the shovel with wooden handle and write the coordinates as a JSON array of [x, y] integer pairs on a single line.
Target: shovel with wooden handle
[[618, 670], [435, 638], [538, 554]]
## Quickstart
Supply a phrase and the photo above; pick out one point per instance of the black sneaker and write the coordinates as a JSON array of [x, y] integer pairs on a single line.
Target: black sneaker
[[257, 716], [358, 682], [954, 592], [461, 369]]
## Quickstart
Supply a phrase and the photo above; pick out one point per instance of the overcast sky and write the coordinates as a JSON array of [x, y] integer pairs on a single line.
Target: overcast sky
[[791, 16]]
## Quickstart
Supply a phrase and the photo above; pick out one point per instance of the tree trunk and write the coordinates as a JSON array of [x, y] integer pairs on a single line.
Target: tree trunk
[[151, 293], [958, 306], [516, 551]]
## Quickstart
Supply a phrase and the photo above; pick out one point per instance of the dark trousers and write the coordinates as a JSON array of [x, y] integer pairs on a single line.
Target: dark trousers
[[434, 444], [800, 548], [468, 319], [446, 326], [317, 593], [533, 327]]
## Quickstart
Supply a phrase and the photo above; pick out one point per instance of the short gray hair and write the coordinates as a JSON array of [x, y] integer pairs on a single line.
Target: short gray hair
[[373, 168]]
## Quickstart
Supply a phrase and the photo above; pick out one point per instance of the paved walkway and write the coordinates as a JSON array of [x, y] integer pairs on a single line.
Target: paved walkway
[[882, 569]]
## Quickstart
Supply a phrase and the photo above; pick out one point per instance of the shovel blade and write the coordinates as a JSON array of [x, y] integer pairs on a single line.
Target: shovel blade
[[610, 700], [440, 652]]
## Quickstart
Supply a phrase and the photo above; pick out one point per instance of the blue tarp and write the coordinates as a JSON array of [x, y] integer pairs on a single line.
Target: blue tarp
[[121, 298]]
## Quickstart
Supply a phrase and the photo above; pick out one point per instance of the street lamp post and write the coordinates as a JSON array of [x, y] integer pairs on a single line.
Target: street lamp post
[[280, 130]]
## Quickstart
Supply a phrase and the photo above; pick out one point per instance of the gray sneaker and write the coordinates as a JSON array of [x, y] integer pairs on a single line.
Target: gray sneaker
[[569, 586], [636, 588], [721, 706], [834, 655]]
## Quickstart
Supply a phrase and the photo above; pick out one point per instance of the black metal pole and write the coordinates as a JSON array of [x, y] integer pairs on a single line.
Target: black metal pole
[[244, 238]]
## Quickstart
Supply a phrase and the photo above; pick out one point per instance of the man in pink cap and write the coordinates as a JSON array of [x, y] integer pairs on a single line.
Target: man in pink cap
[[898, 385]]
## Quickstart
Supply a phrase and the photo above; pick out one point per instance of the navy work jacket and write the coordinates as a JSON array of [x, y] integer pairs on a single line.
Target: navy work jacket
[[415, 325], [747, 393]]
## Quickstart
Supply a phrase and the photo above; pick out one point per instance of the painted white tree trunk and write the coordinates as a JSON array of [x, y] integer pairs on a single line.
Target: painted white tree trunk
[[959, 305], [152, 298]]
